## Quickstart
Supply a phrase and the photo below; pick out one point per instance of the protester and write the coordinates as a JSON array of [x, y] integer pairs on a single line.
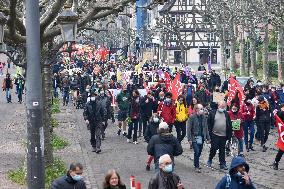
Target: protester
[[192, 105], [248, 114], [220, 130], [113, 181], [165, 178], [66, 89], [7, 86], [238, 177], [197, 133], [56, 84], [181, 117], [134, 114], [122, 100], [20, 85], [163, 143], [73, 178], [147, 107]]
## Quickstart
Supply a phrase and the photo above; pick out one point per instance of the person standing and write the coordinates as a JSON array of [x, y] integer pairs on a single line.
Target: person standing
[[94, 114], [167, 111], [220, 130], [134, 114], [66, 89], [181, 117], [72, 180], [165, 178], [7, 86], [55, 84], [197, 133], [106, 104], [122, 100]]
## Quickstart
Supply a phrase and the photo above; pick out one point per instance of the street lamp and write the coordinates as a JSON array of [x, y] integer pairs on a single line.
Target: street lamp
[[67, 21], [3, 21]]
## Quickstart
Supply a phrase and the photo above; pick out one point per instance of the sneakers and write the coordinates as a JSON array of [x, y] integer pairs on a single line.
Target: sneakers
[[275, 165], [135, 142], [124, 134], [94, 149], [147, 167], [224, 167], [209, 163], [118, 132], [128, 140], [98, 151], [251, 148], [264, 148]]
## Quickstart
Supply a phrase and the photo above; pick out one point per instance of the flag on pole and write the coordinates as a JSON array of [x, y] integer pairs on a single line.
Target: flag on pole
[[280, 126], [167, 81], [176, 87], [234, 88]]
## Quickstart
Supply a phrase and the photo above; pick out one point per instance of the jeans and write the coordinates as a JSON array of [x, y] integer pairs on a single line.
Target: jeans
[[181, 130], [133, 126], [8, 95], [218, 142], [197, 148], [65, 96], [95, 128], [248, 126], [241, 145], [278, 156]]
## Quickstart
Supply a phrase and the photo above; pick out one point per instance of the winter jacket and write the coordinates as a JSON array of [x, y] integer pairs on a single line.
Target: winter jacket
[[151, 130], [163, 181], [280, 95], [189, 94], [263, 115], [119, 187], [122, 100], [146, 108], [181, 112], [193, 127], [248, 112], [270, 99], [134, 111], [94, 111], [240, 133], [168, 112], [162, 144], [106, 103], [203, 96], [211, 122], [7, 84], [231, 180], [66, 182]]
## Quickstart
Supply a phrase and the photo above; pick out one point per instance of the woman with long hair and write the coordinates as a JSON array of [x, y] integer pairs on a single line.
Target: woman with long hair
[[112, 181]]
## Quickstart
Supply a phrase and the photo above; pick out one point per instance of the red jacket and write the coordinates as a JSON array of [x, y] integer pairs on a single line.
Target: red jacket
[[239, 133], [168, 112], [248, 112]]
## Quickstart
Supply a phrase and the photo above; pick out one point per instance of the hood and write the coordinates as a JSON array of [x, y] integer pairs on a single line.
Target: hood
[[166, 137], [237, 161]]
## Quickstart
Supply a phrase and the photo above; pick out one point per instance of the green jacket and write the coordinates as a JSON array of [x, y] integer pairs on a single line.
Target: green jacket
[[122, 100]]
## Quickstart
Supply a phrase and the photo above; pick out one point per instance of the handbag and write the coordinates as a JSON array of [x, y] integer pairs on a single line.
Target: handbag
[[198, 139]]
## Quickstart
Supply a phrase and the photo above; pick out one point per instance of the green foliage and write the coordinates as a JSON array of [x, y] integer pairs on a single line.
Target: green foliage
[[273, 69], [58, 143], [53, 171], [54, 123], [18, 176], [272, 46], [55, 106]]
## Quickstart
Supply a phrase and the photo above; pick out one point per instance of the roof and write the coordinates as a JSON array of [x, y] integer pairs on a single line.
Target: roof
[[167, 7]]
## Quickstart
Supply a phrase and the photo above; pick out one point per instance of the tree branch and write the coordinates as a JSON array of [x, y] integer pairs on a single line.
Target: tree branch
[[12, 17]]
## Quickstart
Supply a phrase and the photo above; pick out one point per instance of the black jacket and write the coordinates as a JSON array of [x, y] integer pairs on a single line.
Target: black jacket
[[120, 187], [211, 122], [94, 111], [146, 108], [151, 130], [162, 144], [66, 182], [161, 180]]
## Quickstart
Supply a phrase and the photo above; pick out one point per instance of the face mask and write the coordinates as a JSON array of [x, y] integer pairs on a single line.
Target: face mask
[[221, 110], [200, 112], [180, 101], [156, 120], [77, 177], [249, 101], [234, 110], [93, 98], [168, 168], [168, 100]]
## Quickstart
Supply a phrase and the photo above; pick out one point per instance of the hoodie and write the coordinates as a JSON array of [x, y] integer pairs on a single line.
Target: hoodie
[[235, 180], [164, 143]]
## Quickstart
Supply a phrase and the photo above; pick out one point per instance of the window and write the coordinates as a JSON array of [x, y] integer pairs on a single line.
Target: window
[[174, 37], [174, 18], [183, 2], [190, 2]]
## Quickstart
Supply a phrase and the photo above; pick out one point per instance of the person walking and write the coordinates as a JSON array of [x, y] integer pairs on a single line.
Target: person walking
[[7, 86], [123, 103], [238, 177], [165, 178], [20, 85], [181, 117], [197, 133], [106, 104], [113, 181], [167, 111], [248, 114], [94, 114], [147, 106], [72, 180], [66, 89], [163, 143], [134, 114], [220, 130]]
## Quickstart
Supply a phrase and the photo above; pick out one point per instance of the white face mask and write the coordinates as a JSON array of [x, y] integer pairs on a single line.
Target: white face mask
[[156, 120], [93, 98]]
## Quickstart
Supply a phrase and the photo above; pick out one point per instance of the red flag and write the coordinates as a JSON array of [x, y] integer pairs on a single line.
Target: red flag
[[280, 126], [167, 81], [235, 87], [176, 87]]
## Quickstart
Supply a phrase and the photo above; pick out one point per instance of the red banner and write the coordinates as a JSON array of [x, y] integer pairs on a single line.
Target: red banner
[[176, 87], [235, 87], [167, 81], [280, 126]]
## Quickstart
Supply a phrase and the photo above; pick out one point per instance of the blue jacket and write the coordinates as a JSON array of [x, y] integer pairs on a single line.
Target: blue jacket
[[231, 181]]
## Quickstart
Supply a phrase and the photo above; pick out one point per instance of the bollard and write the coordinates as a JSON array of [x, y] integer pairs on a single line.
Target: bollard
[[132, 182], [138, 185]]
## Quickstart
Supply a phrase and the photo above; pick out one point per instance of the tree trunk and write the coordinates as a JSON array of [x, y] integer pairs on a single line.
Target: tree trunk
[[280, 54], [47, 101], [242, 55], [232, 47], [223, 52], [253, 53], [265, 56]]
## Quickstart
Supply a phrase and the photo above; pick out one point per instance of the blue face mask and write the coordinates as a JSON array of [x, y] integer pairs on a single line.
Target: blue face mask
[[77, 177], [168, 168], [220, 110]]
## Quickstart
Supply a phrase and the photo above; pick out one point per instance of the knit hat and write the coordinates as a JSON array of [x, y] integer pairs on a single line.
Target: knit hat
[[163, 125]]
